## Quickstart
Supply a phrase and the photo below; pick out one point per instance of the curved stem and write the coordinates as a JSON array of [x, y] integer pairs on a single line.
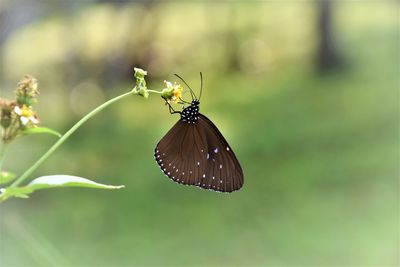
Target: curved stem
[[65, 137]]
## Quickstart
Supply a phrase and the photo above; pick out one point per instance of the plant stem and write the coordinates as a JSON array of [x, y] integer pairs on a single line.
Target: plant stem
[[153, 91], [65, 137]]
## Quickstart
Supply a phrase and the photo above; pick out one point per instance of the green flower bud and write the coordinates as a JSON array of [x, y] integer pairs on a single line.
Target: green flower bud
[[139, 73], [167, 93], [143, 92], [140, 87]]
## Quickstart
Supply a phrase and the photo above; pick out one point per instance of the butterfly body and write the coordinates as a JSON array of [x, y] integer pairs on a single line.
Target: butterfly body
[[190, 114]]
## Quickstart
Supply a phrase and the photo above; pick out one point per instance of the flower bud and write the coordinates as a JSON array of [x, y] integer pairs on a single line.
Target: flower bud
[[139, 73], [140, 87], [6, 109]]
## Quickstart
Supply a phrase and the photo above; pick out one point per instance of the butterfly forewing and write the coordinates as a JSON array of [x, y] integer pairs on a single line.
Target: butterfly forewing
[[198, 154]]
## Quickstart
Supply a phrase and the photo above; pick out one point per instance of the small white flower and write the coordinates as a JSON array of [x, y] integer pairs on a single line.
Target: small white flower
[[173, 92], [26, 115]]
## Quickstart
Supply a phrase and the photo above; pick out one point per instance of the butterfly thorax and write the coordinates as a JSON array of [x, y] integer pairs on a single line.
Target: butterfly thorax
[[190, 114]]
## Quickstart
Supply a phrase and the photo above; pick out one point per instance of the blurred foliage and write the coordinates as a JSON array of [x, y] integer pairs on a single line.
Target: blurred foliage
[[320, 153]]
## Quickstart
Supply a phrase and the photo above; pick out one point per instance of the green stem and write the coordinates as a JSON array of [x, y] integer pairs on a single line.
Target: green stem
[[153, 91], [65, 137]]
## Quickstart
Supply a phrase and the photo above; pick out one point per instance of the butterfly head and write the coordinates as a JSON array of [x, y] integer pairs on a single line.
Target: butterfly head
[[190, 114]]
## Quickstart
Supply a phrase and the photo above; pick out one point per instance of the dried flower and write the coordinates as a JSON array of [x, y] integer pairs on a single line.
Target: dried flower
[[6, 112], [27, 91]]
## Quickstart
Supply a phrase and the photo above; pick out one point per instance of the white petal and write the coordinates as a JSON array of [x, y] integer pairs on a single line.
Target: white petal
[[17, 110], [169, 84], [33, 120], [24, 120]]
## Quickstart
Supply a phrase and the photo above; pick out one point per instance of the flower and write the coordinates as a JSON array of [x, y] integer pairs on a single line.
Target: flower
[[173, 92], [26, 115]]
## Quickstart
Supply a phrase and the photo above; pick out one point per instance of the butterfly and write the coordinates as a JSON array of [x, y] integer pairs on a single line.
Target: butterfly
[[194, 152]]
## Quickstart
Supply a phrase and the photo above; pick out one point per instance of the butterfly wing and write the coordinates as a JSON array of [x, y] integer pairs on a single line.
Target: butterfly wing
[[198, 154]]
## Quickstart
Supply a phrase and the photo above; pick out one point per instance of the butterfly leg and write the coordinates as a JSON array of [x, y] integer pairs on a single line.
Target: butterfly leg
[[171, 109]]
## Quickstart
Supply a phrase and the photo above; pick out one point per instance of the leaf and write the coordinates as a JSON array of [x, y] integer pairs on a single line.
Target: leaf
[[21, 192], [6, 177], [40, 130], [52, 181]]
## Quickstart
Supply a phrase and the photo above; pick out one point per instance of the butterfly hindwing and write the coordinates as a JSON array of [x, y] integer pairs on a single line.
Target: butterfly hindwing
[[198, 154], [223, 164]]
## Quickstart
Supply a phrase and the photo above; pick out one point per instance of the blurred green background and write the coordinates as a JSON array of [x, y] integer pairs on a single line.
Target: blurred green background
[[313, 122]]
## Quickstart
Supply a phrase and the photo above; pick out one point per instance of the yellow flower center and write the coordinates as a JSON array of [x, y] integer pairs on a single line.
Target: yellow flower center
[[177, 93], [26, 112]]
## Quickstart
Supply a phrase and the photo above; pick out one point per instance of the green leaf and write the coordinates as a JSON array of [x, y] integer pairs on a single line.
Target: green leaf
[[6, 177], [21, 192], [52, 181], [40, 130]]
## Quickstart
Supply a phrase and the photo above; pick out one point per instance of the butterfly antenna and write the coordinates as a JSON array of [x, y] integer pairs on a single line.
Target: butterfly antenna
[[201, 84], [191, 91]]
